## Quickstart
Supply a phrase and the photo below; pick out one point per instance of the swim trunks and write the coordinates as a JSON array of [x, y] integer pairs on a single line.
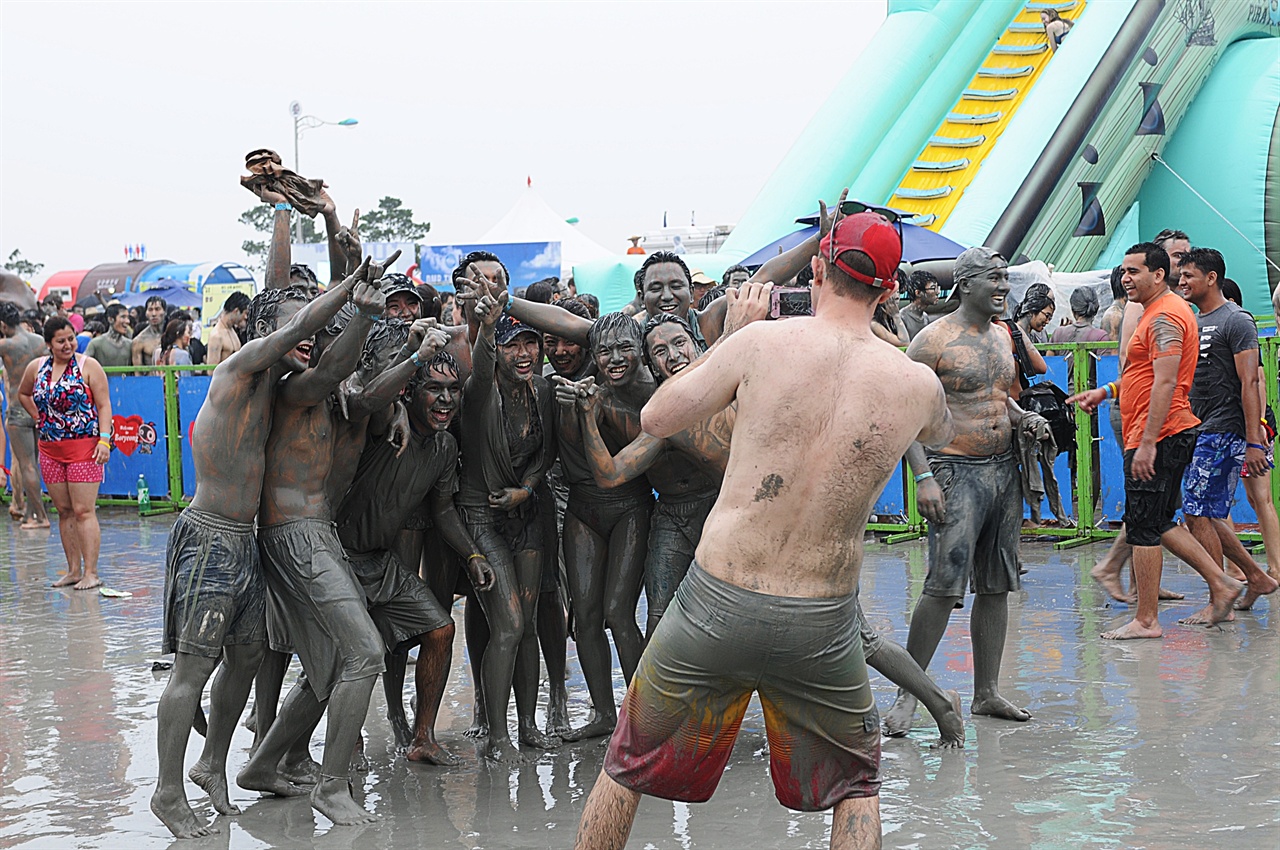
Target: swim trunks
[[213, 588], [316, 606], [674, 534], [977, 547], [1210, 480], [1149, 506], [401, 604], [716, 645], [871, 639]]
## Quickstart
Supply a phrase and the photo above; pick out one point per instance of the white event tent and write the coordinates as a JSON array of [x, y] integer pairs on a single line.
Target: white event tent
[[532, 220]]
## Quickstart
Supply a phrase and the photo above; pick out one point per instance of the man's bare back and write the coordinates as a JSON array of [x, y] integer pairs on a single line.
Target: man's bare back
[[825, 412]]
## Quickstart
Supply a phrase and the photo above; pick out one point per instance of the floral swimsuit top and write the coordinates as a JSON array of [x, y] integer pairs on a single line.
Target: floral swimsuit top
[[66, 407]]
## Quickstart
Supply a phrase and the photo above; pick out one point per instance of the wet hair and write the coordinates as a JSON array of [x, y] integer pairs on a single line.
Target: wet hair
[[711, 295], [654, 322], [480, 257], [590, 302], [266, 306], [1052, 13], [1231, 291], [974, 262], [1117, 283], [576, 306], [541, 292], [1153, 255], [736, 267], [301, 271], [1169, 235], [156, 299], [10, 314], [52, 327], [611, 323], [95, 327], [432, 303], [443, 361], [1084, 302], [235, 301], [1037, 297], [1206, 260], [918, 283], [384, 337], [35, 319], [340, 320], [173, 332], [658, 258]]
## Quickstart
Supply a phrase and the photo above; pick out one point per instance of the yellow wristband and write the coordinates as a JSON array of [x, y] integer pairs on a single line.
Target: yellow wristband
[[476, 555], [104, 443]]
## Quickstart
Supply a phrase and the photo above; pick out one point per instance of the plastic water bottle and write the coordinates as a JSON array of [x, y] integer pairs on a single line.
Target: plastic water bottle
[[144, 495]]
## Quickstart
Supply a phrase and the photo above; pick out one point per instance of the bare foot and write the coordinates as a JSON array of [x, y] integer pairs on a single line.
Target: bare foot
[[1207, 616], [997, 706], [200, 723], [400, 727], [503, 752], [597, 727], [429, 751], [1264, 585], [175, 812], [33, 525], [897, 721], [1167, 595], [88, 583], [332, 798], [1133, 631], [558, 717], [68, 580], [268, 782], [1110, 582], [479, 730], [214, 784], [16, 511], [304, 771], [1219, 608], [951, 725], [530, 735], [359, 761]]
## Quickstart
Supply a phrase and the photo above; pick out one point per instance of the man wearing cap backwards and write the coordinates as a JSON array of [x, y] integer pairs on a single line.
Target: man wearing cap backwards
[[968, 490], [769, 603]]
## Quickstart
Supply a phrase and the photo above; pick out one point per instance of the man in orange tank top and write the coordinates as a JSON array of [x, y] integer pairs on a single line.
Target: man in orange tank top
[[1159, 438]]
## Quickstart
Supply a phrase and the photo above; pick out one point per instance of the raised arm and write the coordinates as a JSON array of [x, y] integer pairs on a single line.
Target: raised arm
[[550, 319], [384, 389], [279, 253], [484, 354], [340, 358]]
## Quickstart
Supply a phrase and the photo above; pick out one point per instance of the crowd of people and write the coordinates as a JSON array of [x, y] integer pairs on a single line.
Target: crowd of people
[[369, 451]]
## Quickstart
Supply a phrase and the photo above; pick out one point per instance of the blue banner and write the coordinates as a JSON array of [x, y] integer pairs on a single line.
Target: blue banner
[[192, 389], [139, 443], [526, 262]]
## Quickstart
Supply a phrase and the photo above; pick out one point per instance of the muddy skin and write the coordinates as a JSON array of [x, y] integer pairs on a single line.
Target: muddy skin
[[229, 445], [973, 360], [17, 349], [508, 410]]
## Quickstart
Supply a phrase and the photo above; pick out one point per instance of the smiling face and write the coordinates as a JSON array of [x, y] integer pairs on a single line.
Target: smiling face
[[401, 305], [617, 357], [1194, 283], [63, 345], [565, 356], [516, 359], [671, 349], [988, 290], [1141, 284], [665, 289], [121, 323], [435, 401], [1038, 320]]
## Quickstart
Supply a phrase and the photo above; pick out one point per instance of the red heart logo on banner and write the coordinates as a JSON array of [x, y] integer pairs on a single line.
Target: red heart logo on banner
[[126, 432]]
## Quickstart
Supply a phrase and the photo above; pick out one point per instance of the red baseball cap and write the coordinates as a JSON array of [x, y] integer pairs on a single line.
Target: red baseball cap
[[873, 235]]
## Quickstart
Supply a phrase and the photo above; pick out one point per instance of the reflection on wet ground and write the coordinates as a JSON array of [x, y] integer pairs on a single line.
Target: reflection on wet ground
[[1156, 744]]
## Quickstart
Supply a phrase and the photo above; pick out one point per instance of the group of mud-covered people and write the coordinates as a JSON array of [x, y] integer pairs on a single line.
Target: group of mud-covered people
[[361, 463]]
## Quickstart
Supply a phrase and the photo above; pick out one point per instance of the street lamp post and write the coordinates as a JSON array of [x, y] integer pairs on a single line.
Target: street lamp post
[[302, 123]]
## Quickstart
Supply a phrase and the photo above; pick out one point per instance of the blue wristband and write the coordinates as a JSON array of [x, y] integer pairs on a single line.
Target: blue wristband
[[415, 359], [922, 476], [285, 206], [1255, 446]]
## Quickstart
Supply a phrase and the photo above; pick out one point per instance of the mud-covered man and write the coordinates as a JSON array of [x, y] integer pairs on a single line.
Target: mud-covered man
[[968, 490], [214, 592], [18, 348], [147, 340]]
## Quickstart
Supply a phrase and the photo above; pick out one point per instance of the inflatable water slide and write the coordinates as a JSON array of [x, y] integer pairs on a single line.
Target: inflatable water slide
[[1150, 114]]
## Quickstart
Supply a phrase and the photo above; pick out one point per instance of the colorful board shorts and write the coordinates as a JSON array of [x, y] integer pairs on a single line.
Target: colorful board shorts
[[716, 645], [1149, 506], [214, 595], [70, 462], [401, 604], [1210, 480], [977, 547], [316, 607]]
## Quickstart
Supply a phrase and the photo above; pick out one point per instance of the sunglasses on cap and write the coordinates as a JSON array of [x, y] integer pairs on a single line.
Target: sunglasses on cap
[[848, 208]]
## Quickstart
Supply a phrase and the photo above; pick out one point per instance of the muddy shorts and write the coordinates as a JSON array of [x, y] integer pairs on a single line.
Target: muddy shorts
[[214, 595], [520, 530], [1149, 506], [316, 606], [871, 639], [674, 534], [976, 549], [1209, 483], [17, 417], [401, 604], [717, 644]]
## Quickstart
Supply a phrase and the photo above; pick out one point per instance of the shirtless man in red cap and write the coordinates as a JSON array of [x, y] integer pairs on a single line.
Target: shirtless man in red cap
[[768, 605]]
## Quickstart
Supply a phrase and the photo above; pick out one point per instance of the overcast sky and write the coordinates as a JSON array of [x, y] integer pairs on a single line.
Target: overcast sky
[[128, 122]]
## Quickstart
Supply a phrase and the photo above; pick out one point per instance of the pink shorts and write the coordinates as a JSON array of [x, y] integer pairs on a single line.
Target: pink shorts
[[81, 472]]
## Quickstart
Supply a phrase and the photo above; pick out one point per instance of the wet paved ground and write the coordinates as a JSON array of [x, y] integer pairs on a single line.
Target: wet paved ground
[[1155, 744]]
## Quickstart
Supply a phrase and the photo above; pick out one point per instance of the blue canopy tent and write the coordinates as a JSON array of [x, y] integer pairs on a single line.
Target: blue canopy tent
[[918, 244], [174, 292]]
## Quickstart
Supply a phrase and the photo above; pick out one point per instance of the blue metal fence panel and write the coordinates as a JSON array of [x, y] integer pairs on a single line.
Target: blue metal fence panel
[[140, 445], [192, 389]]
